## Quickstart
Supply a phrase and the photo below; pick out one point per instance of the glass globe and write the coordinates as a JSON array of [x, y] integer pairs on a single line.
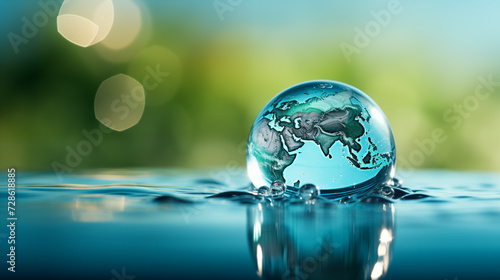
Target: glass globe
[[325, 133]]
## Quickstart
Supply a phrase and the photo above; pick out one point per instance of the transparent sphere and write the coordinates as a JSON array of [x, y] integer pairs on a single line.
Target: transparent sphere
[[325, 133], [264, 191], [278, 188], [309, 191]]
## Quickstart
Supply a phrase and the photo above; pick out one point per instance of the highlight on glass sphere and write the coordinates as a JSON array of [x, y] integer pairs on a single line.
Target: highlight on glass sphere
[[325, 133]]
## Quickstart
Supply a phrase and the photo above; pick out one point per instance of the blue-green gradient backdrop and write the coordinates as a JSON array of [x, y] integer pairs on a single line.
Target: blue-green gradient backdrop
[[422, 64]]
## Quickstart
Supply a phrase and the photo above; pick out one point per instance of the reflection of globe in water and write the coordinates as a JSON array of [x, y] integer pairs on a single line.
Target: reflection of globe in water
[[297, 242], [325, 133]]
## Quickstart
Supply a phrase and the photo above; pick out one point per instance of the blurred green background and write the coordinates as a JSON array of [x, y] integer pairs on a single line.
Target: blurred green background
[[227, 59]]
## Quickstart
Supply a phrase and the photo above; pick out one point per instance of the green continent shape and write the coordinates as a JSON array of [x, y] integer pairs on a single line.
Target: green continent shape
[[320, 111]]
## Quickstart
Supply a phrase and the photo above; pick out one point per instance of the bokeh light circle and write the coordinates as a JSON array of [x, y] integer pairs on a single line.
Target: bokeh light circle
[[159, 69], [119, 102], [85, 22]]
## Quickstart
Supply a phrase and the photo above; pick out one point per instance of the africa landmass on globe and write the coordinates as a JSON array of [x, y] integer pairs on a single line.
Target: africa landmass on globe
[[325, 120]]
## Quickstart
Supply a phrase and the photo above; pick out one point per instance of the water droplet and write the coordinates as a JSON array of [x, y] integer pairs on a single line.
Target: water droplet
[[309, 191], [395, 182], [278, 188], [386, 191], [297, 137], [264, 191]]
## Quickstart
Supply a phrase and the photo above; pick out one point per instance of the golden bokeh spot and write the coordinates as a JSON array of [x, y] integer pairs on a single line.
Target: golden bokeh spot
[[85, 23], [119, 102]]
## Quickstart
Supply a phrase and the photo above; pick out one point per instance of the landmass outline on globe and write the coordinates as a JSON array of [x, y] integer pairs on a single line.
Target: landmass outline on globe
[[335, 116]]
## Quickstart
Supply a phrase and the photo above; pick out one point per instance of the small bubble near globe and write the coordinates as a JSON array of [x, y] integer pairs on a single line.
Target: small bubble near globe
[[325, 133]]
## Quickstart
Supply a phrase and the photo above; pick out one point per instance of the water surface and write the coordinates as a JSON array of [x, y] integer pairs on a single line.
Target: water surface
[[160, 224]]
